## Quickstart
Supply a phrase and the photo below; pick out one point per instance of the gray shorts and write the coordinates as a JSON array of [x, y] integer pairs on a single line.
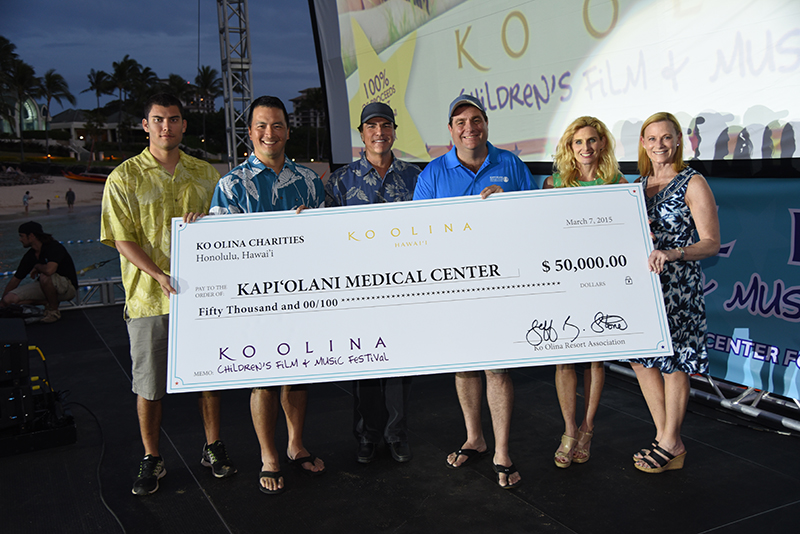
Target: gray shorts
[[33, 291], [149, 340]]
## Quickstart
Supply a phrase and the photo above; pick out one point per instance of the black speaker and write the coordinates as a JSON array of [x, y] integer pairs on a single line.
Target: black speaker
[[16, 407], [31, 416], [14, 361]]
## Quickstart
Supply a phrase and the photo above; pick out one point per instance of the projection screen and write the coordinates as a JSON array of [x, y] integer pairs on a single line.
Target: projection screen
[[728, 69]]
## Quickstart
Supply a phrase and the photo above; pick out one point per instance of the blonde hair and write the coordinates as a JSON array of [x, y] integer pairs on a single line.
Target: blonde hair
[[565, 164], [645, 165]]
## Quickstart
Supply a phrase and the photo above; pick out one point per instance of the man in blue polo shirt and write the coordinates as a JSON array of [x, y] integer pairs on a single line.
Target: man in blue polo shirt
[[380, 404], [473, 166]]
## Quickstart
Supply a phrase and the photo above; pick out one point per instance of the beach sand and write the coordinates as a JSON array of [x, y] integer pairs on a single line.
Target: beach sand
[[86, 194]]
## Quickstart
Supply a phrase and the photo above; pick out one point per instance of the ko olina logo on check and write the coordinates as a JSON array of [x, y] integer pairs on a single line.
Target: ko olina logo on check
[[413, 236]]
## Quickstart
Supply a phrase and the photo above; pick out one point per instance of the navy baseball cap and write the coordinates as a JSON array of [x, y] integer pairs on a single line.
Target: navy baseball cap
[[31, 227], [377, 109], [465, 99]]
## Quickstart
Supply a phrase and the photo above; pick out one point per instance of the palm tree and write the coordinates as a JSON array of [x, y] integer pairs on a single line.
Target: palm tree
[[143, 86], [6, 109], [209, 88], [23, 83], [147, 77], [7, 57], [6, 53], [178, 87], [54, 87], [209, 84], [125, 72], [93, 124], [123, 75], [100, 83]]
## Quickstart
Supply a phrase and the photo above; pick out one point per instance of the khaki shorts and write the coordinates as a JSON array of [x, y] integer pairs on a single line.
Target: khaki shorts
[[33, 291], [472, 374], [149, 340]]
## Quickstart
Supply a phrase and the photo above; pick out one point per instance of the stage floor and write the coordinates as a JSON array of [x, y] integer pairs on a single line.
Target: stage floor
[[738, 478]]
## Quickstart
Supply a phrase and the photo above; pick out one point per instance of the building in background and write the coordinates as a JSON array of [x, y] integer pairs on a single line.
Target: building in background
[[32, 118], [309, 109]]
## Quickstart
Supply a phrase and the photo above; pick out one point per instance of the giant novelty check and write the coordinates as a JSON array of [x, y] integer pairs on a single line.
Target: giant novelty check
[[409, 288]]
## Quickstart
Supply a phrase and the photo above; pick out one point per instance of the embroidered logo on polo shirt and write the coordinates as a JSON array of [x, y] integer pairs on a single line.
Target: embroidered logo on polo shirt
[[498, 178]]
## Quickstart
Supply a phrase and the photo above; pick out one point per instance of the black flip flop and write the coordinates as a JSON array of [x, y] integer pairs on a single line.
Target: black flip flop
[[298, 463], [507, 471], [471, 454], [275, 475]]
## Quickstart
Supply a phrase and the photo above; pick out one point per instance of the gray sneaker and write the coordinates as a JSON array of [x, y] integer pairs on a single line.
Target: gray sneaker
[[151, 468], [215, 457]]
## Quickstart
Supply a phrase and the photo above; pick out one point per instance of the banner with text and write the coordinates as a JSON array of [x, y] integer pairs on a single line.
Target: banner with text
[[410, 288], [726, 68], [752, 286]]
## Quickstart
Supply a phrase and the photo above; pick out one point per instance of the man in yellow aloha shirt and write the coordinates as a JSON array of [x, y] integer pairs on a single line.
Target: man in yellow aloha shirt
[[140, 199]]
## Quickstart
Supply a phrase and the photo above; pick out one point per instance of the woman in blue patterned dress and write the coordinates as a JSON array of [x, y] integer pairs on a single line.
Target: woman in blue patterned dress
[[685, 227], [584, 157]]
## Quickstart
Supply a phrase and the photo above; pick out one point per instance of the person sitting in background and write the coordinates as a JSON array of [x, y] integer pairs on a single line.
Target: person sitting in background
[[52, 269]]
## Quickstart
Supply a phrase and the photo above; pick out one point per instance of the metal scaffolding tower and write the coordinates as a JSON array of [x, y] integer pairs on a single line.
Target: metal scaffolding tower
[[237, 82]]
